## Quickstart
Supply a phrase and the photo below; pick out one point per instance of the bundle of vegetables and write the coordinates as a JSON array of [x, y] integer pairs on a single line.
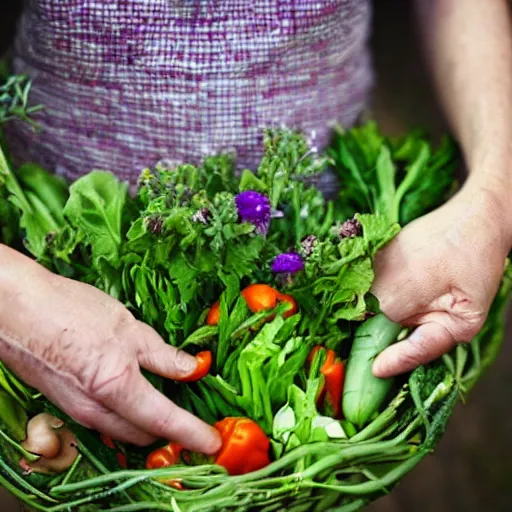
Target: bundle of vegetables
[[268, 283]]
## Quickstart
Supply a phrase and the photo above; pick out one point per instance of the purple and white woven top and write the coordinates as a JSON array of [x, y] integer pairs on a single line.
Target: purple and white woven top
[[126, 83]]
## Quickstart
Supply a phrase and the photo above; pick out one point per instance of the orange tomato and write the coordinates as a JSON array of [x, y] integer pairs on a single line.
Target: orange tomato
[[122, 460], [204, 363], [244, 446], [164, 457], [333, 371], [108, 441], [214, 314], [259, 297], [281, 297]]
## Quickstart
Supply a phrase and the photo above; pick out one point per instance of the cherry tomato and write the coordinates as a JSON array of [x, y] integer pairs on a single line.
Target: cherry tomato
[[259, 297], [333, 371], [281, 297], [122, 460], [214, 314], [204, 363], [108, 442], [166, 456]]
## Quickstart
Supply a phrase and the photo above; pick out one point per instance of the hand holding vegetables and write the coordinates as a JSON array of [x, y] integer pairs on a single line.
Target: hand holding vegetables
[[432, 276], [84, 350]]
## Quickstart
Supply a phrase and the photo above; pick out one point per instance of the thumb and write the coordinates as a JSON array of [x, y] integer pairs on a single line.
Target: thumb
[[428, 342], [162, 359]]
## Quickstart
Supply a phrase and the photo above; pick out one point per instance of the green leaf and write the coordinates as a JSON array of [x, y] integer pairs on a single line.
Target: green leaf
[[435, 184], [95, 206], [249, 181], [13, 417], [51, 190], [184, 276], [201, 336], [241, 258], [255, 397], [386, 179], [228, 324], [377, 231], [34, 218], [414, 172]]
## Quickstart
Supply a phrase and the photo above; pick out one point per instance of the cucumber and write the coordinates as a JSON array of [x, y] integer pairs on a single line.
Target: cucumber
[[363, 393]]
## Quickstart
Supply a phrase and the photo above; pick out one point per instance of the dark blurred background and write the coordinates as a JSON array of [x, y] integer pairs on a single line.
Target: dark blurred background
[[471, 469]]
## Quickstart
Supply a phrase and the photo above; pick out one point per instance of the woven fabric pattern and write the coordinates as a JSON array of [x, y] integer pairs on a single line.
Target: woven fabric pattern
[[126, 83]]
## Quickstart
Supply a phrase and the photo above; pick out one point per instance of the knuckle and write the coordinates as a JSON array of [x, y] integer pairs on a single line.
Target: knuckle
[[125, 324], [467, 327]]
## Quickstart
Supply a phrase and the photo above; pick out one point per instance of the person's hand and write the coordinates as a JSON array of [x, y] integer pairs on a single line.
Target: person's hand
[[84, 350], [440, 275]]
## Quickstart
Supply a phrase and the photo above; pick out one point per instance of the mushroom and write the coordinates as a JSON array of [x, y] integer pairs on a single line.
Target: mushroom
[[52, 441]]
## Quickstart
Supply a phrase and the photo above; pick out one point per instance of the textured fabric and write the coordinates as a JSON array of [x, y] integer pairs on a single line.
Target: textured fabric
[[129, 82]]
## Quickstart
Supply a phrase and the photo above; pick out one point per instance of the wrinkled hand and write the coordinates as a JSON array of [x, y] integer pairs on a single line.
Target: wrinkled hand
[[83, 350], [441, 274]]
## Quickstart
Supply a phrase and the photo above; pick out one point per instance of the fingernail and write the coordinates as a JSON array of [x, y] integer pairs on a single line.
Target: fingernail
[[216, 443], [414, 337], [186, 363], [378, 367]]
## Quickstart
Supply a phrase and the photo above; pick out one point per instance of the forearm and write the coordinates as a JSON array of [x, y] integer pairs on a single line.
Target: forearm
[[19, 276], [469, 47], [15, 273]]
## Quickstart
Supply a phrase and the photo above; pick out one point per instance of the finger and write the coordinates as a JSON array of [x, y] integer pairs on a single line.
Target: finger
[[119, 429], [93, 415], [428, 342], [160, 358], [143, 406]]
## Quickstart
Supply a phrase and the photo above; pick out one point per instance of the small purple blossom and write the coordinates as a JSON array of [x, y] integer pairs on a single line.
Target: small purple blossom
[[254, 208], [351, 228], [155, 224], [308, 244], [288, 263], [203, 216]]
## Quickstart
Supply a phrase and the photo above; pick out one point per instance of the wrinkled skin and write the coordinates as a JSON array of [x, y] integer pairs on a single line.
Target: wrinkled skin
[[441, 274], [84, 350]]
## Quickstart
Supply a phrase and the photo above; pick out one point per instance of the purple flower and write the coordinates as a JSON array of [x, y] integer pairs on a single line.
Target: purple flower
[[288, 262], [155, 224], [308, 245], [254, 208], [351, 228], [203, 216]]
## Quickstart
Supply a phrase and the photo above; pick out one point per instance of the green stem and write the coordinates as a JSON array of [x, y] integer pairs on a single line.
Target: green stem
[[20, 495], [72, 469], [351, 507], [108, 478], [383, 420], [373, 486], [145, 505], [29, 456], [13, 475], [98, 465], [72, 505]]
